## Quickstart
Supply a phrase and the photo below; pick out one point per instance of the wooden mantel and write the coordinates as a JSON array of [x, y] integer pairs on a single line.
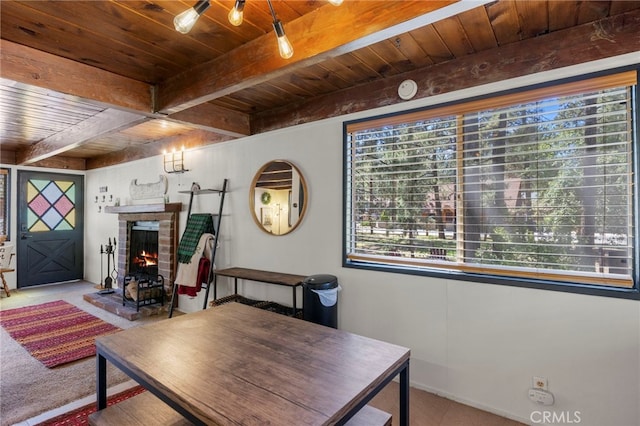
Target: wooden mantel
[[145, 208]]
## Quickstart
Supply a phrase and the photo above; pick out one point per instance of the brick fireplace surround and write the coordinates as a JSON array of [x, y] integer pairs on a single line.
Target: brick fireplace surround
[[168, 217]]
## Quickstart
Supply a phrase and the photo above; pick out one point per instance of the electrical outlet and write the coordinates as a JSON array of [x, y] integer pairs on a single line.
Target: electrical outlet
[[541, 397], [539, 383]]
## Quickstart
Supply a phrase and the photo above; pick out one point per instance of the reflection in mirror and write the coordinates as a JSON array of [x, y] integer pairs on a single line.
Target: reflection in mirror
[[278, 197]]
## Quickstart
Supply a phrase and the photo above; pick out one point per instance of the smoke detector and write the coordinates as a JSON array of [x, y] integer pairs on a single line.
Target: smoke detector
[[407, 89]]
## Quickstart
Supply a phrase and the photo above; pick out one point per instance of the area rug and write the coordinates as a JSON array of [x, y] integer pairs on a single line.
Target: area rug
[[56, 332], [80, 416]]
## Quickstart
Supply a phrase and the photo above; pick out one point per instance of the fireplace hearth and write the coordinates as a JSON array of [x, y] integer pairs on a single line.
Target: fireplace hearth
[[148, 240]]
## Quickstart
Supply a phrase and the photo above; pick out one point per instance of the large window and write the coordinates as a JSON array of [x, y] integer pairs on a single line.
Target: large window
[[534, 188]]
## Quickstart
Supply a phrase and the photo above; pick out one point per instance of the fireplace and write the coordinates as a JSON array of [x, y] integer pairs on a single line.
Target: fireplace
[[152, 229], [143, 249]]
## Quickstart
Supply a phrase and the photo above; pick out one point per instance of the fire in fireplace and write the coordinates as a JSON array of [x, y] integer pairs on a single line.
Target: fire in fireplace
[[143, 249], [145, 260]]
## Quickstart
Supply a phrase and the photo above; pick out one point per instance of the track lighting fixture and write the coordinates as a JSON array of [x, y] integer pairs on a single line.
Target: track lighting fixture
[[187, 19]]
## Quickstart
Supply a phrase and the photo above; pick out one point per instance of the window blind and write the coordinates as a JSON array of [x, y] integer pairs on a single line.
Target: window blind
[[537, 184]]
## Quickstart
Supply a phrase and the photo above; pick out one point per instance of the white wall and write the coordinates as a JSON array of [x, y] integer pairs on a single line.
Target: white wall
[[477, 343]]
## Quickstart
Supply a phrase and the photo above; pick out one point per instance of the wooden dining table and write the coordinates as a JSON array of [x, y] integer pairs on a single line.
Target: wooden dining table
[[236, 364]]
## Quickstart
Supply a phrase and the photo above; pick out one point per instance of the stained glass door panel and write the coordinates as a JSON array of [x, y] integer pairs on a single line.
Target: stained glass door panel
[[50, 244]]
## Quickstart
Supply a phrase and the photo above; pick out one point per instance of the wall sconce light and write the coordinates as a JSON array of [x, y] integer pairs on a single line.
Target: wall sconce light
[[174, 161]]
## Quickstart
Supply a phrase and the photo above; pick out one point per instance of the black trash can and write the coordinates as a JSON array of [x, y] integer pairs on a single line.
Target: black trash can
[[320, 299]]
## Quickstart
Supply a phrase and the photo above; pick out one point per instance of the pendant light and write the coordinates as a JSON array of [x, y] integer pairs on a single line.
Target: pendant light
[[284, 46], [235, 15], [187, 19]]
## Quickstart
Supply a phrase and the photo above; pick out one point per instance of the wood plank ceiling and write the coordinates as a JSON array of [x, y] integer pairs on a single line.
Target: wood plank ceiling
[[86, 84]]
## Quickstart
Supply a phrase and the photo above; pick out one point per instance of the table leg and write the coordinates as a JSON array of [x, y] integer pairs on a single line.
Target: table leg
[[215, 287], [404, 396], [235, 289], [295, 309], [101, 381]]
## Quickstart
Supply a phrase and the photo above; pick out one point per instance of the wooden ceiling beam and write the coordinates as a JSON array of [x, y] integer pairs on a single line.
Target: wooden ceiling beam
[[64, 163], [103, 123], [7, 157], [327, 32], [194, 139], [34, 67], [617, 35], [215, 118]]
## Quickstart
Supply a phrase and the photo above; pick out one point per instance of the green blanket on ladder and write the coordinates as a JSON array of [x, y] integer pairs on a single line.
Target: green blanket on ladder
[[197, 224]]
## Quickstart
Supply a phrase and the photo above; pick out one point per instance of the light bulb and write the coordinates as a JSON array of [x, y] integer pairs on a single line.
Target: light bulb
[[284, 46], [235, 15], [185, 20], [335, 2]]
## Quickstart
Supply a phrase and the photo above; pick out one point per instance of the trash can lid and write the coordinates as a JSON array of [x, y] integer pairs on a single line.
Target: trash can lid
[[320, 282]]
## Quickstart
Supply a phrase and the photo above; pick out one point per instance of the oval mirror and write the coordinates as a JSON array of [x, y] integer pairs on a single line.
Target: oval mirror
[[278, 197]]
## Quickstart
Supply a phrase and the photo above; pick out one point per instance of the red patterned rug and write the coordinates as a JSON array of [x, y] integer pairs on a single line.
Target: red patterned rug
[[55, 333], [80, 416]]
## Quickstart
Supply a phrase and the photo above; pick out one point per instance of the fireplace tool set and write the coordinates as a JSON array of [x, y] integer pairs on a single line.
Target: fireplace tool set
[[112, 274]]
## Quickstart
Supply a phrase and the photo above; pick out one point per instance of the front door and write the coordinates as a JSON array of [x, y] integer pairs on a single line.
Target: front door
[[50, 228]]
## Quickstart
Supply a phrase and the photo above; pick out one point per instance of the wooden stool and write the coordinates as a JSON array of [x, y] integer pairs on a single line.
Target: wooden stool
[[4, 282], [6, 268]]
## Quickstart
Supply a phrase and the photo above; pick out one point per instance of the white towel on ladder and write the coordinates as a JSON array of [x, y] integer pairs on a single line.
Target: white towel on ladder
[[187, 273]]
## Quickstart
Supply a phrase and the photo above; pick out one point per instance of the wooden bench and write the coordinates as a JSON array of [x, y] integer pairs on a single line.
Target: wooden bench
[[269, 277], [146, 409]]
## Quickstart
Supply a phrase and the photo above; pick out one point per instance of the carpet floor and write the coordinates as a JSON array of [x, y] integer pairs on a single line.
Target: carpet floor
[[55, 333], [27, 387], [80, 416]]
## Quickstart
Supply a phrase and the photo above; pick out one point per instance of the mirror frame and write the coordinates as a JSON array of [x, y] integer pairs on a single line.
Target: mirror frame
[[252, 198]]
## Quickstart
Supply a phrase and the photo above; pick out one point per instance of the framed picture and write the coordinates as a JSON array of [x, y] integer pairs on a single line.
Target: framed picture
[[266, 216]]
